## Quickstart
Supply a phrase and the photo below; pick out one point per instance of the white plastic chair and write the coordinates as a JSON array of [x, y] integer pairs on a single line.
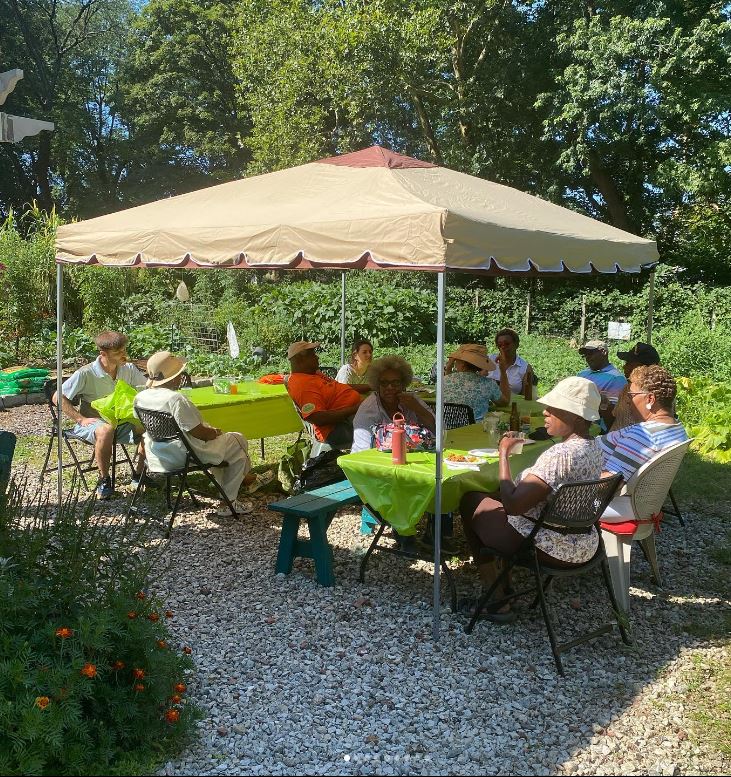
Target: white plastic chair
[[639, 500]]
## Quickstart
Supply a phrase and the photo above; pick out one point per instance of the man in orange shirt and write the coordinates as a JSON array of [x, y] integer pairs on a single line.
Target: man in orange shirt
[[328, 405]]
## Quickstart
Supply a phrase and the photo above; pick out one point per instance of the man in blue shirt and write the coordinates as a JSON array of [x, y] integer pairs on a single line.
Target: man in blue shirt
[[607, 378]]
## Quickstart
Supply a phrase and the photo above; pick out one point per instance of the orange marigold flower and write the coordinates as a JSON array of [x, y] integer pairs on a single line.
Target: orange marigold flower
[[138, 673], [139, 687], [154, 617], [162, 644], [42, 702], [187, 650], [64, 632], [180, 688], [175, 699], [172, 716], [168, 613], [140, 595], [131, 615], [89, 670], [117, 665]]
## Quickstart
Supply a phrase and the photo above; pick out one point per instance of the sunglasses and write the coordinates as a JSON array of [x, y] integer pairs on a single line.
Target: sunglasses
[[390, 383]]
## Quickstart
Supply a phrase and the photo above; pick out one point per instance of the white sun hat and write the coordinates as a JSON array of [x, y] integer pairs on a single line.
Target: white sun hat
[[576, 395]]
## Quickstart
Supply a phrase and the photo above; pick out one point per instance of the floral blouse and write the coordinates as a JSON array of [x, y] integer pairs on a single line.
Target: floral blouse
[[564, 462], [469, 388]]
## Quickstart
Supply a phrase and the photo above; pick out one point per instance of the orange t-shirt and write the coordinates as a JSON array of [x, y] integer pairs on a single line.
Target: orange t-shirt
[[318, 392]]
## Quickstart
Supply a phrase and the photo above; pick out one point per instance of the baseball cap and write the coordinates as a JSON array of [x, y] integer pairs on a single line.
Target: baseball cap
[[299, 346], [593, 345], [642, 353]]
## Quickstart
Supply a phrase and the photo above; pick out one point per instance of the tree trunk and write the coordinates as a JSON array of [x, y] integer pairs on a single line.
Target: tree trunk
[[41, 169], [427, 129], [610, 193]]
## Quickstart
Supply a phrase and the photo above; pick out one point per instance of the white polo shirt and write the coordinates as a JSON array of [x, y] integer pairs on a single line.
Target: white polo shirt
[[92, 382], [516, 373]]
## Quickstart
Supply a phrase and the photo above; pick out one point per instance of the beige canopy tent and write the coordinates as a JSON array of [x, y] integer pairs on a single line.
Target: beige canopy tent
[[370, 209]]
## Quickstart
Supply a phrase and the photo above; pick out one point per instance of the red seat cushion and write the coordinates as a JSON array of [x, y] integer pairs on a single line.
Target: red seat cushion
[[625, 527]]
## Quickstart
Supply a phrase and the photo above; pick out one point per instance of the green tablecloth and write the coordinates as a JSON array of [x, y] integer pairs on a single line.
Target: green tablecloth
[[402, 494], [257, 410]]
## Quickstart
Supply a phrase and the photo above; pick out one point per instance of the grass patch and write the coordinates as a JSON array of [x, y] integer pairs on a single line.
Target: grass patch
[[709, 695]]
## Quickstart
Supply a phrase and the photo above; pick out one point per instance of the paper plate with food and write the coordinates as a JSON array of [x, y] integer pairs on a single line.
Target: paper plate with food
[[463, 461]]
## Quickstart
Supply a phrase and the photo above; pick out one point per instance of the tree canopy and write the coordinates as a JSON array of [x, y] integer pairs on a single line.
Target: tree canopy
[[619, 110]]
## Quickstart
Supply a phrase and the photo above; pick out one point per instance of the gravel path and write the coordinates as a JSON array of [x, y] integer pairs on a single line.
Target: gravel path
[[297, 679]]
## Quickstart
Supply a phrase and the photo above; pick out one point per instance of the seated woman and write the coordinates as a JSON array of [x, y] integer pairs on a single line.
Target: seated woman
[[652, 392], [389, 377], [520, 373], [503, 519], [357, 370], [464, 385]]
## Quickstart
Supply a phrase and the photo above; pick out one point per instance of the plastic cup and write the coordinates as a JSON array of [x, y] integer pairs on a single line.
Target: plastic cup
[[518, 449]]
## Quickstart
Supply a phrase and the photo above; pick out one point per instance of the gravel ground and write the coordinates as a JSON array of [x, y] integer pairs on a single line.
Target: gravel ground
[[294, 678]]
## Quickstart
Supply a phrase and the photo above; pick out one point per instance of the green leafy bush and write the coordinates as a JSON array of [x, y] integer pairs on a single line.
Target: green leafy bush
[[88, 668], [704, 406]]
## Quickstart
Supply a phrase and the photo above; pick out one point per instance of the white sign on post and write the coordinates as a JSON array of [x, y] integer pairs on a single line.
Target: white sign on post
[[618, 330]]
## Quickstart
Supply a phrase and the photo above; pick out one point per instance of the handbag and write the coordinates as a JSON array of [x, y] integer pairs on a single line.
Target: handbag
[[418, 437]]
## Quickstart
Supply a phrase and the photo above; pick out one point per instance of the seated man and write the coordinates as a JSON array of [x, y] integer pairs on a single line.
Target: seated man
[[607, 378], [94, 381], [328, 405], [212, 446]]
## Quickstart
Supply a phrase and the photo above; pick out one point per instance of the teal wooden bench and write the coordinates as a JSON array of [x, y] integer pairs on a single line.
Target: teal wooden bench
[[318, 508]]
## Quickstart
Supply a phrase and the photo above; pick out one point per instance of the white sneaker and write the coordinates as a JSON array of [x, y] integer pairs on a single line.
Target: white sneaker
[[262, 479], [242, 508]]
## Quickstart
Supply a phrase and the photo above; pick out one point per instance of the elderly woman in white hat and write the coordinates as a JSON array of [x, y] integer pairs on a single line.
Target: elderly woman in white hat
[[503, 519], [465, 385], [211, 445]]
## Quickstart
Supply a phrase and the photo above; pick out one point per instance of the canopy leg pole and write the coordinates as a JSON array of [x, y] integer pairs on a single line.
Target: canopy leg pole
[[59, 379], [342, 317], [650, 307], [441, 294]]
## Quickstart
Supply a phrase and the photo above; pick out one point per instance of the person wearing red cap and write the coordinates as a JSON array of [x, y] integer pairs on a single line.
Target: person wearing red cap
[[328, 405]]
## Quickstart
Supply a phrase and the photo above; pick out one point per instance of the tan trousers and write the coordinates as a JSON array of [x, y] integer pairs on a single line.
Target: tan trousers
[[237, 456]]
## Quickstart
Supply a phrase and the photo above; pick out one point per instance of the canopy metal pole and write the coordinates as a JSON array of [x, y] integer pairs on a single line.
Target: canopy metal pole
[[441, 288], [342, 317], [651, 307], [59, 378]]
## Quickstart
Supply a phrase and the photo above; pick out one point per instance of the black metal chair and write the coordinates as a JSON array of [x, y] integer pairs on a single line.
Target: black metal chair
[[81, 465], [455, 416], [573, 508], [162, 427], [185, 380], [411, 554], [675, 512], [331, 372]]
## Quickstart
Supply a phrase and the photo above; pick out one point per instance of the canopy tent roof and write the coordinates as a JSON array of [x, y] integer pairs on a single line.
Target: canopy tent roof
[[372, 208]]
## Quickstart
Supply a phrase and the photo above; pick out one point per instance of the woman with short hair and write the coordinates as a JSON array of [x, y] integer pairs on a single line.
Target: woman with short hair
[[652, 391], [389, 378], [520, 373]]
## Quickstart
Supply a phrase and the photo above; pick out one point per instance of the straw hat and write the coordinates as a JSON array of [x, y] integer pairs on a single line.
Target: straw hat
[[299, 347], [475, 355], [577, 395], [162, 367]]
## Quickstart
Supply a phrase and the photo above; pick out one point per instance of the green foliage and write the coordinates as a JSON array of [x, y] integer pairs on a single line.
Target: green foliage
[[75, 622], [28, 279], [704, 405]]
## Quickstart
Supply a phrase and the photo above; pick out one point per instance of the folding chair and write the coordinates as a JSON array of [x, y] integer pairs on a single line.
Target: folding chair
[[82, 465], [411, 554], [640, 502], [162, 427], [455, 416], [576, 508], [331, 372]]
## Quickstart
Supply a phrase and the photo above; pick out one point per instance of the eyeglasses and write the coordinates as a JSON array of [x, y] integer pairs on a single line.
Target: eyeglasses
[[636, 393], [390, 383]]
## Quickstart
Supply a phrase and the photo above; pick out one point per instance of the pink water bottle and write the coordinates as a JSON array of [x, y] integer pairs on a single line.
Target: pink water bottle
[[398, 440]]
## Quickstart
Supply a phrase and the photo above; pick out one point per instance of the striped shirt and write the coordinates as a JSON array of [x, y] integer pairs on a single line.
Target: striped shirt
[[609, 380], [627, 449]]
